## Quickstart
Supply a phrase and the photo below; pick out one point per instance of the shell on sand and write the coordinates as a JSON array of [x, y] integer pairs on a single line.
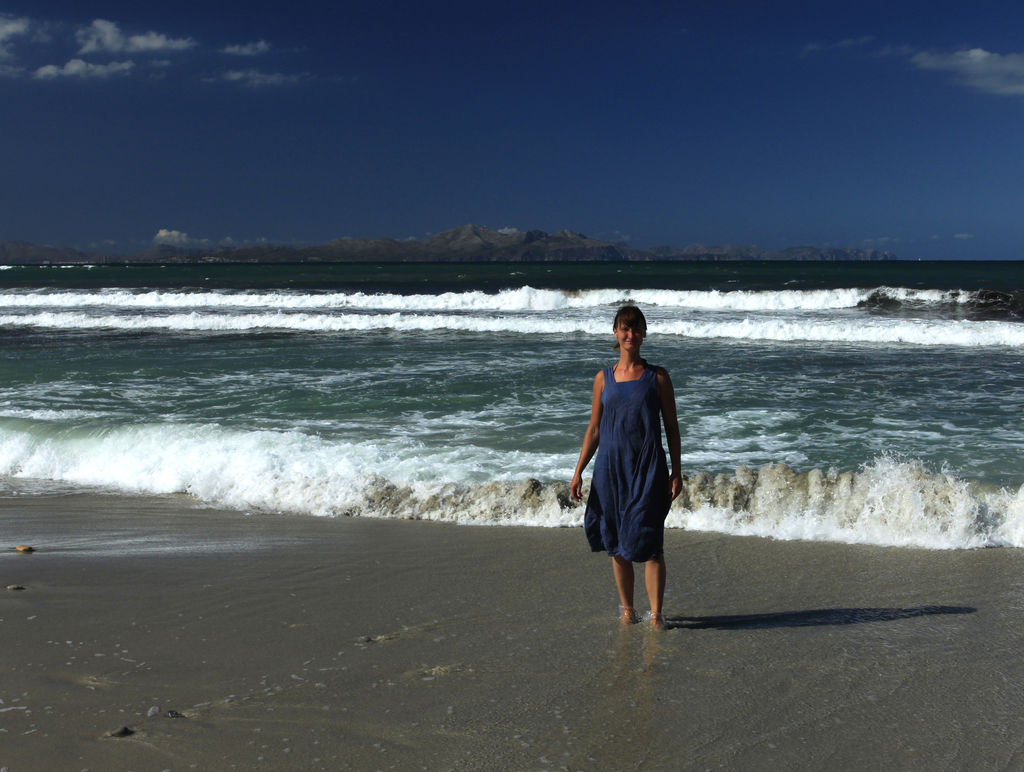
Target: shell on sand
[[25, 548], [15, 587]]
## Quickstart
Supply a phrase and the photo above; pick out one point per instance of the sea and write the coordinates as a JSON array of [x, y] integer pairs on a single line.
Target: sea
[[862, 402]]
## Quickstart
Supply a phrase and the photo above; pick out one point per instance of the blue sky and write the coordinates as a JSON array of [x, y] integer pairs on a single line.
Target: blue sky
[[894, 125]]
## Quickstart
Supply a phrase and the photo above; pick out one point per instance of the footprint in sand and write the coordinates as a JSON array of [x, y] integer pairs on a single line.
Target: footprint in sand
[[430, 673], [94, 682], [405, 632]]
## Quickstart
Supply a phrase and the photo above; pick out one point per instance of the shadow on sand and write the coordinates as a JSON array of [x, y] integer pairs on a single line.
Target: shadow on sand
[[811, 617]]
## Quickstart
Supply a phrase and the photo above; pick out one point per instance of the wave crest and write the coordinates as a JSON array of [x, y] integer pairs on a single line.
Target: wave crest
[[888, 502], [874, 331], [991, 304], [984, 304]]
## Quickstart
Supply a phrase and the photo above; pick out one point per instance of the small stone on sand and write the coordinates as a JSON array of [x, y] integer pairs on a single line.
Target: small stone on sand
[[25, 548], [15, 587], [124, 731]]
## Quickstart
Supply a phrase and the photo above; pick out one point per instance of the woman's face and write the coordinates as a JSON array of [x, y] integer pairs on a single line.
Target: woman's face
[[628, 337]]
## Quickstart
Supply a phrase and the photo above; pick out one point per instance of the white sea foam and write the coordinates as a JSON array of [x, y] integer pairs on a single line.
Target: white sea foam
[[284, 471], [889, 502], [918, 332], [301, 322], [46, 414], [785, 315], [513, 300]]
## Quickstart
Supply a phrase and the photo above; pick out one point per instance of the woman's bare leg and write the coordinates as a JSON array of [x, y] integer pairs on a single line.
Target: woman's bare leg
[[624, 579], [654, 578]]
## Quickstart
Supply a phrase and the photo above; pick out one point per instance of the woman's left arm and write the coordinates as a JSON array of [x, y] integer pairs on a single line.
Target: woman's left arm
[[666, 394]]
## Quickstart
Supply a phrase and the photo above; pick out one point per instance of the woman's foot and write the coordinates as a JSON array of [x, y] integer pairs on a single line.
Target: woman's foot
[[657, 621], [628, 617]]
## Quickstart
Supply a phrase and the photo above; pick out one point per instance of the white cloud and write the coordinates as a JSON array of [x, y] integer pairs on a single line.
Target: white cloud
[[77, 68], [811, 48], [153, 41], [172, 238], [963, 236], [856, 42], [991, 73], [104, 49], [11, 27], [106, 36], [102, 35], [231, 243], [880, 242], [258, 78], [248, 49], [1001, 74]]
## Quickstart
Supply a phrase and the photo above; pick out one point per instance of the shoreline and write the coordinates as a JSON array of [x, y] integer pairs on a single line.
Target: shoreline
[[228, 640]]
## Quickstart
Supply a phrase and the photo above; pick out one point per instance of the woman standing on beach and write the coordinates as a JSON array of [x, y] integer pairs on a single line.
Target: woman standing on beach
[[632, 490]]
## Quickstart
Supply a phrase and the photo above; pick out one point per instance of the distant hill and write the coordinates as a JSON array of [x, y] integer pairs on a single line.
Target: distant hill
[[24, 253], [468, 243]]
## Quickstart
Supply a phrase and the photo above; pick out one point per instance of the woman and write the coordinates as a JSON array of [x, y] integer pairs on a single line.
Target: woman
[[632, 490]]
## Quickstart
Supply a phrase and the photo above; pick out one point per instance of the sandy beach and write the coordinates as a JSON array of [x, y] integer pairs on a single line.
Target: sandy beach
[[222, 640]]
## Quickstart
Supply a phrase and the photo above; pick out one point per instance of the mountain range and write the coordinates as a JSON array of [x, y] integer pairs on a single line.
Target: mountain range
[[468, 243]]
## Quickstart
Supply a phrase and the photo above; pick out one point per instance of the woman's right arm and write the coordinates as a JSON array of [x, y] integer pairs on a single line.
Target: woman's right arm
[[591, 438]]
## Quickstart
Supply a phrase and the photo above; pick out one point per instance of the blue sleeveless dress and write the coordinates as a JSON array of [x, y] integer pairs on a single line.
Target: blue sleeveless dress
[[629, 494]]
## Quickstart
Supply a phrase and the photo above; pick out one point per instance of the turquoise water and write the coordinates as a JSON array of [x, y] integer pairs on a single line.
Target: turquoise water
[[441, 391]]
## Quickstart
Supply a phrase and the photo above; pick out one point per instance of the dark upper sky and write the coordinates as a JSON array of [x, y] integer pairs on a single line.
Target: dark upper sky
[[894, 125]]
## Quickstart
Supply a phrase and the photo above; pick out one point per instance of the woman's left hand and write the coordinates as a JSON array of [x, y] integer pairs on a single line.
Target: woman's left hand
[[576, 487], [676, 485]]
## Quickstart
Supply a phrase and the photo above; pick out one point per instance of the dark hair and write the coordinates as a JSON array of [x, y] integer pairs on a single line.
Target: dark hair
[[631, 316]]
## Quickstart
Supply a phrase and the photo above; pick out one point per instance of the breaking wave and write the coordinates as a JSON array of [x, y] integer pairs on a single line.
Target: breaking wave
[[883, 315], [888, 502], [976, 304], [922, 332], [520, 299]]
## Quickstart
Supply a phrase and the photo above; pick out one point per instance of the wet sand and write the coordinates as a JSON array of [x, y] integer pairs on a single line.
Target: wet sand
[[226, 641]]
